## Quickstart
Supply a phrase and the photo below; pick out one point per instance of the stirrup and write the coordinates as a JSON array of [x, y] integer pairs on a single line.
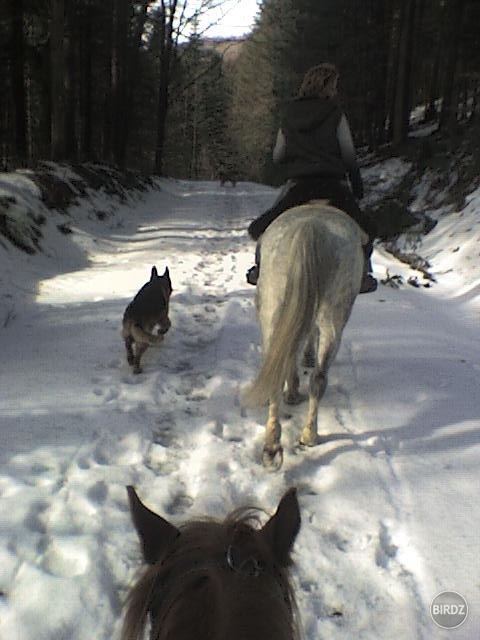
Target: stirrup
[[252, 275], [369, 284]]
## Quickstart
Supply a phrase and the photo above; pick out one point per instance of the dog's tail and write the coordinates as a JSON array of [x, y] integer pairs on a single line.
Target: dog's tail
[[295, 318]]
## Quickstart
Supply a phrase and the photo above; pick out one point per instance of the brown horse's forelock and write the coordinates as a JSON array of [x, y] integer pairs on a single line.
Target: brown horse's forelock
[[201, 596]]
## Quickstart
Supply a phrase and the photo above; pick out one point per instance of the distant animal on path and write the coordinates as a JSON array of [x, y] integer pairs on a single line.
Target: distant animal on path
[[146, 321], [226, 176], [215, 580], [310, 274]]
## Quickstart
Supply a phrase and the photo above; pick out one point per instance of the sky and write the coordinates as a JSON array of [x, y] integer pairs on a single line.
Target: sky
[[233, 18], [388, 499]]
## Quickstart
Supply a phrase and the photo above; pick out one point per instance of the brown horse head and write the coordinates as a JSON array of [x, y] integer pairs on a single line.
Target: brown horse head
[[216, 580]]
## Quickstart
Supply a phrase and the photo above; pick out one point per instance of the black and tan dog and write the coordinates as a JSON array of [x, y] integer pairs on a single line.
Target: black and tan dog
[[145, 321]]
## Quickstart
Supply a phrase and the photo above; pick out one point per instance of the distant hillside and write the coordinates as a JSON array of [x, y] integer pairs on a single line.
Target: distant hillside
[[228, 48]]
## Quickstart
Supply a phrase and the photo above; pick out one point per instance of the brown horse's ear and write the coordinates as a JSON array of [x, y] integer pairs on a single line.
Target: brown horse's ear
[[282, 528], [154, 532]]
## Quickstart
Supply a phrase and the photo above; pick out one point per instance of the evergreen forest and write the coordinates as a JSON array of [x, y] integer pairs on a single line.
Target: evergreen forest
[[134, 84]]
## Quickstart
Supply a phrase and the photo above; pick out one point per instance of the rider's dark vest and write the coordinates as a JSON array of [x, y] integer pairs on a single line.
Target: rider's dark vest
[[310, 129]]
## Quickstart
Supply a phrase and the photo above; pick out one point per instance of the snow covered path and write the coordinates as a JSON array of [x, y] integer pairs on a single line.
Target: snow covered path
[[389, 501]]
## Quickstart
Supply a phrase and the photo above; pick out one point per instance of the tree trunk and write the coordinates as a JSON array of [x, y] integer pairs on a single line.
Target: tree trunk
[[403, 87], [86, 85], [454, 27], [379, 70], [134, 69], [119, 70], [71, 84], [18, 82], [434, 90], [166, 54], [57, 74]]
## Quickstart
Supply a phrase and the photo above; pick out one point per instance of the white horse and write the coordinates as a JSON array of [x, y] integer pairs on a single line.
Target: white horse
[[311, 269]]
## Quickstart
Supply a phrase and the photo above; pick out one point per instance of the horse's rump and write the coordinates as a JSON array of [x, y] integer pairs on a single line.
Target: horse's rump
[[311, 266]]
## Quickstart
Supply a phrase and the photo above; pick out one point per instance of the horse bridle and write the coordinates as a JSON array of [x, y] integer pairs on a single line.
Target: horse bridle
[[234, 559]]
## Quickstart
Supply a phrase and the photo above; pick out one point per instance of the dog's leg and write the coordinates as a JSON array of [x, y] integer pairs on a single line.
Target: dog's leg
[[139, 351], [128, 347]]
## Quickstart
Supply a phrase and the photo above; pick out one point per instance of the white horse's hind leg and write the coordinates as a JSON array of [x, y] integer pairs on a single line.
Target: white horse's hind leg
[[310, 351], [327, 349], [318, 384], [272, 449], [309, 359], [292, 395]]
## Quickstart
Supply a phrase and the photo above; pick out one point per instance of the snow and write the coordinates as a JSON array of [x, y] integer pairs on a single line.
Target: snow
[[389, 501]]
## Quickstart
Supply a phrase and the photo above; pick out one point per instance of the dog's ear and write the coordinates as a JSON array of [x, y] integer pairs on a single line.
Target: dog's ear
[[167, 276], [155, 532], [154, 274]]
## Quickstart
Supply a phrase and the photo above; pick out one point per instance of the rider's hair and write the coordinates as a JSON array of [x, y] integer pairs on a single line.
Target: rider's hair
[[320, 81]]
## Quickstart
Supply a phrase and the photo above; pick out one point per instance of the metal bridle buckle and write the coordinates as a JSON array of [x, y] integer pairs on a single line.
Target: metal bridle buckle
[[240, 562]]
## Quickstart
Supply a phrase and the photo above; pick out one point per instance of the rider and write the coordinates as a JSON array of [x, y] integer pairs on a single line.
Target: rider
[[315, 147]]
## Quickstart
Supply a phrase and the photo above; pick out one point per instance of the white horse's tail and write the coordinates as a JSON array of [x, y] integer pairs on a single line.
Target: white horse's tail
[[295, 318]]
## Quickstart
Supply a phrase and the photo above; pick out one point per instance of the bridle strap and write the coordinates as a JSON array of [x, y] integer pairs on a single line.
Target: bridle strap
[[234, 559]]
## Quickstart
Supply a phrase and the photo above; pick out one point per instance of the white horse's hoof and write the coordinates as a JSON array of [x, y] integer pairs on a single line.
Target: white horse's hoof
[[272, 458], [309, 440]]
